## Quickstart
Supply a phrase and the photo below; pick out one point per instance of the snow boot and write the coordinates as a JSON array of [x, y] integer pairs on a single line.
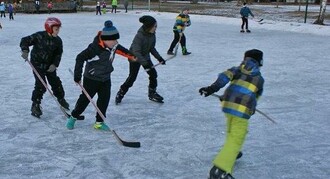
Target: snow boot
[[70, 123], [120, 96], [248, 31], [170, 52], [154, 96], [101, 126], [63, 103], [242, 31], [36, 110], [217, 173], [185, 52]]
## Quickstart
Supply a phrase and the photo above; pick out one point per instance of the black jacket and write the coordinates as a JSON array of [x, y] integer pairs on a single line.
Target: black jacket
[[98, 61], [46, 49]]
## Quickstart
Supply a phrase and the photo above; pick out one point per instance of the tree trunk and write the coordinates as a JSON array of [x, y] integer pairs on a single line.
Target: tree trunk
[[320, 18]]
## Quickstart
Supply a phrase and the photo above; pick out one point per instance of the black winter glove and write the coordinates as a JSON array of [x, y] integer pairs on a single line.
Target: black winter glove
[[77, 79], [207, 91], [162, 61], [25, 55]]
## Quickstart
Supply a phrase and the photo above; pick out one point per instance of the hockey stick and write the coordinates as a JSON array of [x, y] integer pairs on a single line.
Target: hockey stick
[[175, 52], [260, 112], [121, 142], [50, 92], [256, 20]]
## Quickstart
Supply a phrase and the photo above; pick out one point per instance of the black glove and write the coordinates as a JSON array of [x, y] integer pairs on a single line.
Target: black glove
[[162, 61], [51, 68], [25, 55], [207, 91]]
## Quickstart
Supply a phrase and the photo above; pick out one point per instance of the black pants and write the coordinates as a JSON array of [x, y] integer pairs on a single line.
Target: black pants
[[114, 8], [102, 89], [53, 80], [176, 40], [133, 72], [245, 22]]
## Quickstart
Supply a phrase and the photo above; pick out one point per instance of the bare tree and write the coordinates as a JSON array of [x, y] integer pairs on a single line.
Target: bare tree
[[320, 18]]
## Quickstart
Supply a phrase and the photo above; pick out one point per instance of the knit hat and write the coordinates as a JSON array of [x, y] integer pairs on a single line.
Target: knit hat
[[109, 32], [147, 21], [256, 55]]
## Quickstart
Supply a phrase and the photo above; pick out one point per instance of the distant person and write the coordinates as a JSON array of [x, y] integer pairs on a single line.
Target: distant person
[[245, 12], [0, 26], [49, 6], [3, 9], [46, 56], [11, 12], [98, 8], [98, 58], [114, 6], [181, 22], [104, 7], [37, 6], [126, 5], [142, 46], [239, 103]]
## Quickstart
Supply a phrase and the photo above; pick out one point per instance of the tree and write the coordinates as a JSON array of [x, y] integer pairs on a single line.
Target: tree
[[320, 18]]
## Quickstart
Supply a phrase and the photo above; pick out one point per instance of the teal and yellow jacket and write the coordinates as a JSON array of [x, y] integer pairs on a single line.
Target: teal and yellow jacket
[[181, 22], [246, 86]]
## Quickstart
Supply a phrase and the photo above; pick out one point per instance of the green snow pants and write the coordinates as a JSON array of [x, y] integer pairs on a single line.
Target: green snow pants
[[236, 131]]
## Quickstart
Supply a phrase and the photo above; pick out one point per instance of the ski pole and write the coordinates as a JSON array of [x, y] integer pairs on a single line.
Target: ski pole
[[121, 142], [46, 86], [260, 112], [175, 52]]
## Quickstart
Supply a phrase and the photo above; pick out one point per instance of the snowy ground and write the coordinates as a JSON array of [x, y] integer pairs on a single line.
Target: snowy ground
[[179, 138]]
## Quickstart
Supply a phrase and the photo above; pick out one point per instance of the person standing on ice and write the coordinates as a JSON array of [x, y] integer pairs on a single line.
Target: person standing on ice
[[245, 12], [142, 46], [98, 8], [98, 56], [46, 56], [181, 22], [239, 103]]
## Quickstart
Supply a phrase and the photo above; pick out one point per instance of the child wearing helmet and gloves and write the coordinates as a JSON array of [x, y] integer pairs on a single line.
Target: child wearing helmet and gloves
[[239, 103], [45, 56], [98, 56]]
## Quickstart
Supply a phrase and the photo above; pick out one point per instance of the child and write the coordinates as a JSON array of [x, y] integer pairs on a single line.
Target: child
[[11, 12], [181, 22], [239, 102], [50, 6], [46, 56], [142, 46], [114, 6], [98, 8], [98, 56], [245, 11]]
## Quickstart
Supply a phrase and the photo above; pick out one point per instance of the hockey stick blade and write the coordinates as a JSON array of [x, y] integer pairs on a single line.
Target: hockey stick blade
[[126, 143]]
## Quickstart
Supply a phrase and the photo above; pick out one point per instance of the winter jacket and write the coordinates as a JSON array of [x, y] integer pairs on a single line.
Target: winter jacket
[[46, 49], [98, 60], [114, 3], [240, 98], [10, 9], [2, 7], [181, 22], [143, 44], [245, 11]]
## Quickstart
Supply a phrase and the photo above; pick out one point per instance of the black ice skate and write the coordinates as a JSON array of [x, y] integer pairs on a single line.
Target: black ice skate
[[248, 31], [36, 110], [170, 53], [154, 96], [63, 103], [119, 97], [185, 52], [217, 173], [242, 31]]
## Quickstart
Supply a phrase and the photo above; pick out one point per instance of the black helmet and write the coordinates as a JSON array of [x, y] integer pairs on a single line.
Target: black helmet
[[256, 55]]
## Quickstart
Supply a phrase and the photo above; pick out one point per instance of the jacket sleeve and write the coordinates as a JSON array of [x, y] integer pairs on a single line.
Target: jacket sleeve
[[224, 78], [28, 41], [124, 52], [58, 53], [155, 53], [88, 53], [250, 12], [136, 48]]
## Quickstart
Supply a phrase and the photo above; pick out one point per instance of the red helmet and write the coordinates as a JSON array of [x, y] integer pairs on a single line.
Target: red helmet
[[50, 23]]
